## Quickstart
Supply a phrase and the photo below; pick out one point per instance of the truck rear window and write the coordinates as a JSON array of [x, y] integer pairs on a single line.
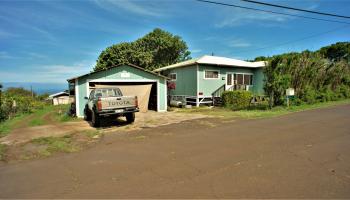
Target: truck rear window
[[108, 92]]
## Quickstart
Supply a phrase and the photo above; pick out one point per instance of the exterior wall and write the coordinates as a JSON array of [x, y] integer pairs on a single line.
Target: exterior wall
[[259, 81], [120, 74], [208, 86], [60, 100], [186, 82]]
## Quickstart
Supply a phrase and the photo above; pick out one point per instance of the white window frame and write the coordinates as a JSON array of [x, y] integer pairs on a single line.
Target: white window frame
[[175, 76], [211, 71], [235, 82]]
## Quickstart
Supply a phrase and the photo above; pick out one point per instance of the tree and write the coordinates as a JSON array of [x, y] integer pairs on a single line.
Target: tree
[[154, 50], [336, 52], [314, 75]]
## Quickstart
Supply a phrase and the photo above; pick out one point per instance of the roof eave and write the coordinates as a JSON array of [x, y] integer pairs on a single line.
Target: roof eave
[[113, 66]]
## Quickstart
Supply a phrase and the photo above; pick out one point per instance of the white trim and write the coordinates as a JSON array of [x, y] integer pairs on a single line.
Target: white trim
[[120, 80], [211, 70], [232, 80], [197, 93], [165, 96], [77, 104], [158, 96], [171, 78]]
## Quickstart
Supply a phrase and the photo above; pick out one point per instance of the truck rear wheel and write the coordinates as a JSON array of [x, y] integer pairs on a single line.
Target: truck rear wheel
[[95, 119], [130, 117], [87, 115]]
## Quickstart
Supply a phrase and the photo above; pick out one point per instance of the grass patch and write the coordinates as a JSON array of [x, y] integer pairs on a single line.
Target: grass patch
[[36, 122], [92, 133], [3, 149], [7, 126], [48, 114], [56, 144], [260, 112]]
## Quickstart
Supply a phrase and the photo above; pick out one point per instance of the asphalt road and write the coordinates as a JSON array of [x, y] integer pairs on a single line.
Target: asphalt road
[[301, 155]]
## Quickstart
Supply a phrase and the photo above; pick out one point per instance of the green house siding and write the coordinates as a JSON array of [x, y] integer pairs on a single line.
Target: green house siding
[[258, 81], [186, 81], [208, 86], [115, 74], [188, 84]]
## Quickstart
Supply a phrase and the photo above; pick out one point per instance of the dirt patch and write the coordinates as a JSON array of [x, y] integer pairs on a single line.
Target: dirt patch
[[47, 146], [143, 120]]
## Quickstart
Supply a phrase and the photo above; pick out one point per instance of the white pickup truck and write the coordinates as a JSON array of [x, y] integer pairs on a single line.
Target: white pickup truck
[[105, 102]]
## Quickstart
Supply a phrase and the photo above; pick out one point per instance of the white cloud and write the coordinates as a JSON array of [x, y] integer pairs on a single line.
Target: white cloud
[[5, 34], [6, 55], [137, 7], [238, 17], [36, 29], [49, 73], [33, 55], [239, 43]]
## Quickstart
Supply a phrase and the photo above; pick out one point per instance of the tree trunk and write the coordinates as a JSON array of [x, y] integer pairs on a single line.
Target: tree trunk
[[271, 99]]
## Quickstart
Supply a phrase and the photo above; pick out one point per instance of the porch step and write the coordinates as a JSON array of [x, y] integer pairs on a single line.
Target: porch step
[[217, 101]]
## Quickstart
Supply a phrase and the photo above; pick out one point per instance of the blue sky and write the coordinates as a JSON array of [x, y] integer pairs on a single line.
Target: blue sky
[[50, 41]]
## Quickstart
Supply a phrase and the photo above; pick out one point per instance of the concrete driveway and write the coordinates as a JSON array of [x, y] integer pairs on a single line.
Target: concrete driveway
[[301, 155]]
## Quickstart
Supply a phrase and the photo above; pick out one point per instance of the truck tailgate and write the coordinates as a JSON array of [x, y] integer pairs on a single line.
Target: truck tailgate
[[117, 102]]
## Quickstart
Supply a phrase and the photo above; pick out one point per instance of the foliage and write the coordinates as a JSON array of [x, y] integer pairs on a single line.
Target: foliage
[[154, 50], [16, 101], [319, 76], [47, 114], [237, 100]]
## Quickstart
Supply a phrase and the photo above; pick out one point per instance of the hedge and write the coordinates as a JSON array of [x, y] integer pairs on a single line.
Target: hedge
[[237, 100]]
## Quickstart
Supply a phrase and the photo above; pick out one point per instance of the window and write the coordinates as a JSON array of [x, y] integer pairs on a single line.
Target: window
[[248, 79], [243, 79], [173, 76], [239, 79], [211, 74], [107, 92], [229, 79]]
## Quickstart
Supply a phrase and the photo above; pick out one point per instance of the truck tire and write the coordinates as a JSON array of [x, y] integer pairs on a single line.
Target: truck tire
[[87, 115], [95, 119], [130, 117]]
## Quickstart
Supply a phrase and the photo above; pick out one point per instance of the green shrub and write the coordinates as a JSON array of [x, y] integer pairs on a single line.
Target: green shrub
[[343, 91], [296, 101], [237, 100], [309, 95]]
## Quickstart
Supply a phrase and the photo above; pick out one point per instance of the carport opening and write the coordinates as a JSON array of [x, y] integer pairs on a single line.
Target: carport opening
[[152, 101]]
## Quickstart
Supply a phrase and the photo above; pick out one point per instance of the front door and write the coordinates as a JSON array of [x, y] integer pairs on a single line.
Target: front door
[[229, 81]]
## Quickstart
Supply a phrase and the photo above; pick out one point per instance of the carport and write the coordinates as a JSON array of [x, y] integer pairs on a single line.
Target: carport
[[149, 87]]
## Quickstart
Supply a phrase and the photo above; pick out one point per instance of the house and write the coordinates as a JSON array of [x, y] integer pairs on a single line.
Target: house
[[149, 87], [201, 80], [59, 98]]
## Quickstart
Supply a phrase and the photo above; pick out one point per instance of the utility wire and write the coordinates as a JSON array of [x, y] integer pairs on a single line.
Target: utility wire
[[297, 9], [270, 11], [294, 41]]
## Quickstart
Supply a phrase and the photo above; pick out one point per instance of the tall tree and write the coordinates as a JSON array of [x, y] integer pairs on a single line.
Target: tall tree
[[154, 50]]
